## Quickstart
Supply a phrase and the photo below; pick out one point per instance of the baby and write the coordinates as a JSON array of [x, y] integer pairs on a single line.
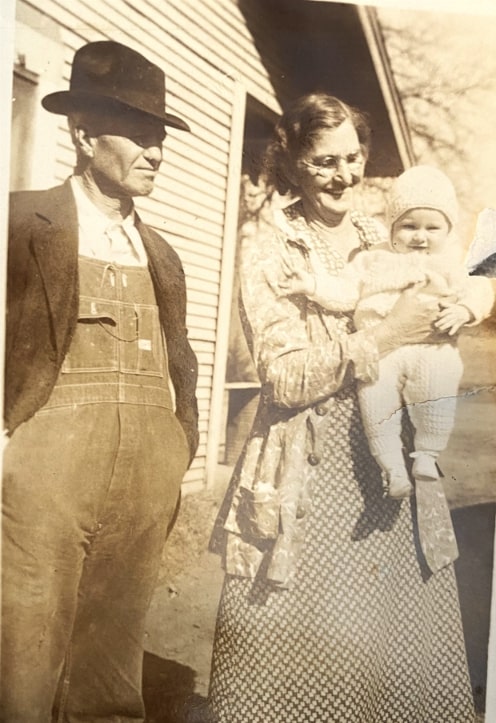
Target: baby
[[425, 377]]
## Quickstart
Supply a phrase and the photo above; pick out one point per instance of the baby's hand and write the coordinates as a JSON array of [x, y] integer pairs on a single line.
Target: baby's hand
[[296, 281], [452, 318]]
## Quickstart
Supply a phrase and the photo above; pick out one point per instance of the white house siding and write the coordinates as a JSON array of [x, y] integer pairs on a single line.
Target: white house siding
[[208, 55]]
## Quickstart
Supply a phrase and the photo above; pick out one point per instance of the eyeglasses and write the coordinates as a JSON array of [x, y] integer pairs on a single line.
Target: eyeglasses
[[330, 165]]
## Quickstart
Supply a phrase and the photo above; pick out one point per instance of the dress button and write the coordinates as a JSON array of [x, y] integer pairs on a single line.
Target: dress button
[[313, 459], [321, 410]]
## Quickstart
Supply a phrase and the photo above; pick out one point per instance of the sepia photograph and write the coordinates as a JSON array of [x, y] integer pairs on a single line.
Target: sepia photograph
[[248, 277]]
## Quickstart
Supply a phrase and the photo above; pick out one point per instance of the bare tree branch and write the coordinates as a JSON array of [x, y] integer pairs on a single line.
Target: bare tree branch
[[441, 90]]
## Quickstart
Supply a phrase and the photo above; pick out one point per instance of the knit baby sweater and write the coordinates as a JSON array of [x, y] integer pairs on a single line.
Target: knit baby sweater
[[373, 281]]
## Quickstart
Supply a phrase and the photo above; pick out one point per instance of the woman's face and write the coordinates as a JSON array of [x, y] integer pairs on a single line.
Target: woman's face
[[327, 172]]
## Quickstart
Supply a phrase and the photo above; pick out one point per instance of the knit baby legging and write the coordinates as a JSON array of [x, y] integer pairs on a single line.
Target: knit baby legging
[[424, 379]]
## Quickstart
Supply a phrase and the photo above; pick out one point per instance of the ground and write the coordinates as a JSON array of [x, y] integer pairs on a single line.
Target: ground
[[182, 615]]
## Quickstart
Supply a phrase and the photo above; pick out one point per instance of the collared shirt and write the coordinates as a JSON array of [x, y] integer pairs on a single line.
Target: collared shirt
[[104, 239]]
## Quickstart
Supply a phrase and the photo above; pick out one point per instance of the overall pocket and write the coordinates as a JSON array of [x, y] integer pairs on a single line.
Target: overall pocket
[[146, 354], [94, 346], [113, 336]]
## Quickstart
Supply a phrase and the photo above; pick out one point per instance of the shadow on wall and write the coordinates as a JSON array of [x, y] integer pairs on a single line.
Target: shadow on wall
[[474, 528]]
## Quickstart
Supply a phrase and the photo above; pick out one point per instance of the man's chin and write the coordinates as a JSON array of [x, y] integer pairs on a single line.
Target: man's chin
[[141, 189]]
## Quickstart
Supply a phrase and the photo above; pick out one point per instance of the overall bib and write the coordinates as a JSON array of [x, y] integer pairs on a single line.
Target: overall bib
[[91, 485]]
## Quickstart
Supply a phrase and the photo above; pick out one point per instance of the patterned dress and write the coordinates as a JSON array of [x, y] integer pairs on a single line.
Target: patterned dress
[[363, 633]]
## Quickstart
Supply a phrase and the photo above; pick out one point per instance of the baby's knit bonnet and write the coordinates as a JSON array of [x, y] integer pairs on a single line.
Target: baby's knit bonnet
[[422, 187]]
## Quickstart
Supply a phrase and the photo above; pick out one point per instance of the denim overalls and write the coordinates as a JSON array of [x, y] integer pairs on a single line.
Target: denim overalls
[[93, 482]]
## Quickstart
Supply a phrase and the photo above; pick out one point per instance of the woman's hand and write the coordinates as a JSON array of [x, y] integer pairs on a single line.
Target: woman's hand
[[412, 320]]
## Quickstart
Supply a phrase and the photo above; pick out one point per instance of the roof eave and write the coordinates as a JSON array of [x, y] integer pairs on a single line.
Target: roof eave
[[375, 40]]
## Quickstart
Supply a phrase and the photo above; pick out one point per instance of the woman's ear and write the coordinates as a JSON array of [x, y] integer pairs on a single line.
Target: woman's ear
[[291, 173]]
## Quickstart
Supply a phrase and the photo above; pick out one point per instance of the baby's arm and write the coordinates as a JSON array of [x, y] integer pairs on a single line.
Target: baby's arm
[[475, 299], [332, 292], [296, 281], [477, 295]]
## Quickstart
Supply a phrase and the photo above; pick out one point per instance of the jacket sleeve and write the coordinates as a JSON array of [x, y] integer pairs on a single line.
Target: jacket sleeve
[[300, 359], [170, 287], [41, 298], [183, 370]]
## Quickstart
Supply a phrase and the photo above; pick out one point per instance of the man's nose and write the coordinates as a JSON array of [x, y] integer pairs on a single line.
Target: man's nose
[[153, 154]]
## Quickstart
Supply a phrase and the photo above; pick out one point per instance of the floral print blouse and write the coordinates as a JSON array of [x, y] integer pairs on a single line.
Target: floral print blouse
[[298, 358], [303, 356]]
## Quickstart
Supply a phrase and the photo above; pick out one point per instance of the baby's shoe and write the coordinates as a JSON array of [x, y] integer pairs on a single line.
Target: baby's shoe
[[398, 484], [425, 467]]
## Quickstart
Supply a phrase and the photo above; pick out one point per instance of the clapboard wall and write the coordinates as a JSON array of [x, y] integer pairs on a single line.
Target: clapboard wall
[[211, 63]]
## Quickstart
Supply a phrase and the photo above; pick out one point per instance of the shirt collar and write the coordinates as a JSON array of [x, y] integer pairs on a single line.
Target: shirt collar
[[93, 225]]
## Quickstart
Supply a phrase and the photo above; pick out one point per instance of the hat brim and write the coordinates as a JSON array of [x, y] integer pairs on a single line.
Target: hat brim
[[67, 101]]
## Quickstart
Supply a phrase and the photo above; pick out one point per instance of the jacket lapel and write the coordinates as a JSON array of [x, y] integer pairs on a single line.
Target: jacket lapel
[[55, 246], [166, 275]]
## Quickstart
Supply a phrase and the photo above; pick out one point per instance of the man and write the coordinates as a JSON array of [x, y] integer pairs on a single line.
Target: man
[[100, 412]]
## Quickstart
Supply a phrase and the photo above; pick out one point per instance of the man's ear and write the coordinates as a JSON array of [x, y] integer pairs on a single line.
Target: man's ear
[[82, 138]]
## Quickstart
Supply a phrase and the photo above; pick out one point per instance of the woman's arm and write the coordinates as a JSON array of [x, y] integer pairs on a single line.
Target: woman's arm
[[297, 356], [294, 352]]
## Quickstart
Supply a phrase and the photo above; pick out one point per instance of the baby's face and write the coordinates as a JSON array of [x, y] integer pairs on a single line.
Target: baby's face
[[421, 229]]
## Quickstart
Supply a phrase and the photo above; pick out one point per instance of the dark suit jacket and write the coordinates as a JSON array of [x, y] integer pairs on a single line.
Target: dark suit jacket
[[43, 301]]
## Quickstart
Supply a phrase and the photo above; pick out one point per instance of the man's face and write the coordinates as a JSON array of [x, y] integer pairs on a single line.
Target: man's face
[[126, 152]]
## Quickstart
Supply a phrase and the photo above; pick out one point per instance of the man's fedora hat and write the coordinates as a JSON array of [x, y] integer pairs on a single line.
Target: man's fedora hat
[[106, 73]]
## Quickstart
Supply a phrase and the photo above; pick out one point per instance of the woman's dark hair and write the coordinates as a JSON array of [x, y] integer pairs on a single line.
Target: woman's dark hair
[[295, 132]]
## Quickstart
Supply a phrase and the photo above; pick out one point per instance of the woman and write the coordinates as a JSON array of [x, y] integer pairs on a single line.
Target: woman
[[328, 612]]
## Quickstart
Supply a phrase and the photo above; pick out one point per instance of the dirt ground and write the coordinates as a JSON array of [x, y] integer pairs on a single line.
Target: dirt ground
[[181, 621]]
